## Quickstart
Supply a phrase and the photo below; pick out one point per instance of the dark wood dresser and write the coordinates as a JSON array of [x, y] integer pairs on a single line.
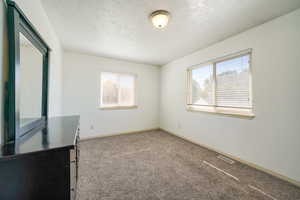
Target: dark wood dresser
[[42, 165]]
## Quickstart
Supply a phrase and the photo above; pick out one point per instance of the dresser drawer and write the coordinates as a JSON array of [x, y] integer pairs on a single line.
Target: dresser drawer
[[73, 173], [74, 158], [73, 179]]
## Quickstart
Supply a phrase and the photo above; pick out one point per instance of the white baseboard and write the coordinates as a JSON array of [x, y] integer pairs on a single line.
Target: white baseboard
[[268, 171], [84, 138], [280, 176]]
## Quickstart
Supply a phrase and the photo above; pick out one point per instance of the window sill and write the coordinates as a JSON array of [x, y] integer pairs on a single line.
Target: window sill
[[234, 112], [118, 107]]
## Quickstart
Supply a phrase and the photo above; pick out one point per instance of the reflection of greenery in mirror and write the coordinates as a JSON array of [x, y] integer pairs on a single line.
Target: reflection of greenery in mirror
[[31, 78]]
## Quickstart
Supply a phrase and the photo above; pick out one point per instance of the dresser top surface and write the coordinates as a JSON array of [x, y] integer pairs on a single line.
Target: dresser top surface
[[60, 132]]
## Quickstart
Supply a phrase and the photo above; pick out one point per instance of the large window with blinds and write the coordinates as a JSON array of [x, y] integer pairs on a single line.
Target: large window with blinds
[[117, 90], [222, 85]]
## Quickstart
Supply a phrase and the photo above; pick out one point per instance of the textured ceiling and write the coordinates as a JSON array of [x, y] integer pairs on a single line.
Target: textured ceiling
[[121, 28]]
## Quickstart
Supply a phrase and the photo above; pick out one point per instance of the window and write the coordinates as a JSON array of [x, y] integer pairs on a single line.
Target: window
[[222, 85], [117, 90]]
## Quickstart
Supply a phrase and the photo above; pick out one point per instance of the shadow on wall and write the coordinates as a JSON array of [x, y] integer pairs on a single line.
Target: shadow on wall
[[3, 63]]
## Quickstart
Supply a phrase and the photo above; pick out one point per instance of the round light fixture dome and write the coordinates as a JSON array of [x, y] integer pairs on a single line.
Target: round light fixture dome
[[160, 18]]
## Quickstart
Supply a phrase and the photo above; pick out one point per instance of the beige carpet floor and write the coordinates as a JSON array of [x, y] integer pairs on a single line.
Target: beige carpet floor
[[158, 166]]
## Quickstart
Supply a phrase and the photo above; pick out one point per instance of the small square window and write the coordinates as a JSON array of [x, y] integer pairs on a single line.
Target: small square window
[[117, 90]]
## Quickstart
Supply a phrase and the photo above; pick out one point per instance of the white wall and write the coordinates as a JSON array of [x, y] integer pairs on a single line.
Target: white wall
[[270, 140], [81, 95], [34, 10]]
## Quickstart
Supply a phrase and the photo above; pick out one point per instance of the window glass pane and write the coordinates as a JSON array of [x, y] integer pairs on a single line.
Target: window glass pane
[[109, 89], [127, 90], [202, 85], [233, 83]]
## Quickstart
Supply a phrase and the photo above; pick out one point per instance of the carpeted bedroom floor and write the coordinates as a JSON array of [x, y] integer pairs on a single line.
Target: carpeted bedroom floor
[[158, 166]]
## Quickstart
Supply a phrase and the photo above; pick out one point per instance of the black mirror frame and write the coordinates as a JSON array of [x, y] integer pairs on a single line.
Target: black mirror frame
[[18, 23]]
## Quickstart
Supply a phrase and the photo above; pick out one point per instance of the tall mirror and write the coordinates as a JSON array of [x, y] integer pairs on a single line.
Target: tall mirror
[[27, 88], [31, 81]]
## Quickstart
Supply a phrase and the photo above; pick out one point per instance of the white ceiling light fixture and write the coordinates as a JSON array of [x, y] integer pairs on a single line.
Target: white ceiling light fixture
[[160, 18]]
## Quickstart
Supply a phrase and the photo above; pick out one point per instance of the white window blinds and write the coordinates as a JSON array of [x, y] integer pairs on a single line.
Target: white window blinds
[[223, 83], [117, 90], [232, 83]]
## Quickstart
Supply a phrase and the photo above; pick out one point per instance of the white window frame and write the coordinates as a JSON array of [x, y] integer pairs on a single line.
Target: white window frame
[[234, 111], [119, 107]]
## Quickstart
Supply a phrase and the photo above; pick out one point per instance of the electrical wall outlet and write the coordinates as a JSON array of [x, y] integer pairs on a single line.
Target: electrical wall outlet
[[178, 125]]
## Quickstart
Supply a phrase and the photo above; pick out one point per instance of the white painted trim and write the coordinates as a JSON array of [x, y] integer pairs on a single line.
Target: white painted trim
[[268, 171], [234, 112], [214, 108], [118, 107], [116, 134], [222, 58]]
